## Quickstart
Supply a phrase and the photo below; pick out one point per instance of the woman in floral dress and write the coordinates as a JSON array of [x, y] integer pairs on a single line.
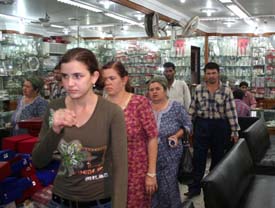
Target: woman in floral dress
[[141, 135], [171, 119]]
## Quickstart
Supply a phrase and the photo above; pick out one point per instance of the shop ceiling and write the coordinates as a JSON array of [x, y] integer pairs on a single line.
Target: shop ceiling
[[53, 17]]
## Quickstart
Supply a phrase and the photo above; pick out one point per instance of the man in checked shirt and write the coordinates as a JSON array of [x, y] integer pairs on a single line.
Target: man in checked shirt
[[215, 120]]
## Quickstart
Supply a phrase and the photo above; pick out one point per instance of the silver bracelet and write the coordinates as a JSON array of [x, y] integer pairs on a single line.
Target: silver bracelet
[[152, 175]]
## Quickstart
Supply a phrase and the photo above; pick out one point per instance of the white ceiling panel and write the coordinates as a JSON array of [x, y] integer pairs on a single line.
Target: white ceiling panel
[[70, 16]]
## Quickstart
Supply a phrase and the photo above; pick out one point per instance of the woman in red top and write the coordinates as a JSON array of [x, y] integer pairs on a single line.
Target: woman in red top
[[141, 135]]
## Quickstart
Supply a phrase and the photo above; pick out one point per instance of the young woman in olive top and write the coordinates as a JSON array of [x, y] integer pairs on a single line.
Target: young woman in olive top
[[89, 132]]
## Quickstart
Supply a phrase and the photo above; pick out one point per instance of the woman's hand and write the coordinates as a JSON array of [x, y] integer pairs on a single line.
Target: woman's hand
[[151, 185], [173, 141], [61, 118]]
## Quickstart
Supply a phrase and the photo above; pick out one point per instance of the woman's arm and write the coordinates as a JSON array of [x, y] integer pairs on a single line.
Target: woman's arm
[[120, 160], [151, 180], [148, 122], [46, 145]]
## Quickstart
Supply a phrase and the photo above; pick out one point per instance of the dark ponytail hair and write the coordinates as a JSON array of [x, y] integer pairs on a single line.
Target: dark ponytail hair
[[120, 69]]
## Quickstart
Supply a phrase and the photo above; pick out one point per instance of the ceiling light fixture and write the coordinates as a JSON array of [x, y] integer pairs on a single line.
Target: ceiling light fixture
[[21, 26], [251, 22], [208, 11], [57, 26], [81, 4], [182, 1], [139, 16], [10, 17], [66, 31], [237, 11], [97, 26], [122, 18], [229, 22], [106, 3], [225, 1]]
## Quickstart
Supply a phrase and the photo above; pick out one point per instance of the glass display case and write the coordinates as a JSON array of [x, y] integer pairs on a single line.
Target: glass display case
[[245, 59], [179, 52], [267, 114], [19, 55], [144, 58], [233, 55], [270, 74]]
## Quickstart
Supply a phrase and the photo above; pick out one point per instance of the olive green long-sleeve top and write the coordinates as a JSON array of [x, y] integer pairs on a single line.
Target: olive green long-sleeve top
[[93, 156]]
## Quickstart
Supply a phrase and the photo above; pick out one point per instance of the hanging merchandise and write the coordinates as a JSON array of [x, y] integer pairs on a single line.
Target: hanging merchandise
[[243, 46], [33, 63], [179, 45]]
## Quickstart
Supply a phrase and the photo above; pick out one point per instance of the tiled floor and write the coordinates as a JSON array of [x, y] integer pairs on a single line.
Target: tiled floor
[[198, 200]]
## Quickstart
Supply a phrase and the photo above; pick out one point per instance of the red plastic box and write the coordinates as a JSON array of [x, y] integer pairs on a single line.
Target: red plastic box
[[5, 170], [32, 125], [26, 146], [12, 142]]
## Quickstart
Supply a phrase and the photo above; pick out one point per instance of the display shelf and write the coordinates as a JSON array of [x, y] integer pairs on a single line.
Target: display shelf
[[141, 68], [270, 74], [179, 53], [20, 55]]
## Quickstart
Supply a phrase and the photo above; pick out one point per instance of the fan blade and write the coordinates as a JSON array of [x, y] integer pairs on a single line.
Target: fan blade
[[36, 22], [151, 22], [191, 26], [147, 23]]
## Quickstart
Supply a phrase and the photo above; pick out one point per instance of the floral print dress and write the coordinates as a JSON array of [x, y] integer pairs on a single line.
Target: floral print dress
[[169, 121], [141, 126]]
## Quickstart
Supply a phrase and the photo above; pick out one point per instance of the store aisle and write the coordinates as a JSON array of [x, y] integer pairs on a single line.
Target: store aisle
[[198, 200]]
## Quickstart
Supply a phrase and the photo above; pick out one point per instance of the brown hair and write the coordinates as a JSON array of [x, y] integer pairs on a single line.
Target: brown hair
[[82, 55], [161, 80], [120, 69], [36, 82]]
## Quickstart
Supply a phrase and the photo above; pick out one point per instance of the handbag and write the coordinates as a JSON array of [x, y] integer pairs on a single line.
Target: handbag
[[185, 172]]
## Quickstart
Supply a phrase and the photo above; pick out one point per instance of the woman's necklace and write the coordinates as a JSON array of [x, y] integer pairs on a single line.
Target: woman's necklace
[[123, 101]]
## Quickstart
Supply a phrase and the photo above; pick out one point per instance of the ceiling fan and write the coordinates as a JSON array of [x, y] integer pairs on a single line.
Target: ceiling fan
[[43, 21], [156, 28]]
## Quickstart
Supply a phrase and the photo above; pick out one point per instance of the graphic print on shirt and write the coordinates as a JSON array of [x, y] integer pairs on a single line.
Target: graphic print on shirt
[[79, 160]]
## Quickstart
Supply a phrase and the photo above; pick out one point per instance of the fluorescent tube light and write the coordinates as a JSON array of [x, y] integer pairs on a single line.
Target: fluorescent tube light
[[56, 26], [237, 11], [118, 17], [81, 4], [251, 22], [10, 17], [225, 1]]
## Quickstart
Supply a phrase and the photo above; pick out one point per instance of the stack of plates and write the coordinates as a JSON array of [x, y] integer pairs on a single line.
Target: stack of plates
[[4, 95]]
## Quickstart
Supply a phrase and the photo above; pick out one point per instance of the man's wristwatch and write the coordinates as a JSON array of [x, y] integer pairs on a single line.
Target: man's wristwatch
[[152, 175]]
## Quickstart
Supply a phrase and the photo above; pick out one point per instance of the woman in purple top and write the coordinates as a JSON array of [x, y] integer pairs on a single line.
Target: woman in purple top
[[242, 108], [30, 105]]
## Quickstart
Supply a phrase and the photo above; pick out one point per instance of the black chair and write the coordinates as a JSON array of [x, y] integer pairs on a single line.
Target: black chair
[[245, 122], [261, 148], [234, 184]]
